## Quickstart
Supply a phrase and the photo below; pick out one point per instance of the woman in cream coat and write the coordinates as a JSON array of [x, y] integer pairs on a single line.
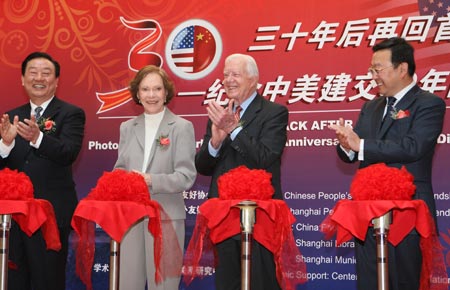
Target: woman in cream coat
[[160, 146]]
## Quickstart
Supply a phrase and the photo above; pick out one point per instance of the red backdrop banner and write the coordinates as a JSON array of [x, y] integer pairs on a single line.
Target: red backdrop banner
[[313, 58]]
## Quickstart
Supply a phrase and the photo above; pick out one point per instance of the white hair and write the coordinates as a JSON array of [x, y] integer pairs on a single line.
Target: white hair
[[252, 67]]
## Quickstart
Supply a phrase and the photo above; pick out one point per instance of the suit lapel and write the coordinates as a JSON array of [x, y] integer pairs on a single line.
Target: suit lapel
[[52, 109], [139, 130], [163, 129], [251, 112], [386, 123], [378, 115], [408, 99]]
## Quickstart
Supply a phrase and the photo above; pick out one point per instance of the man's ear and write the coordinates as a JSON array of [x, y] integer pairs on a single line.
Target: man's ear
[[403, 68]]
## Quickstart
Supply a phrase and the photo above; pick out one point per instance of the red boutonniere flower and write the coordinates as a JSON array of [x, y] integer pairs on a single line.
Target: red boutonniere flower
[[163, 141], [46, 125], [396, 115]]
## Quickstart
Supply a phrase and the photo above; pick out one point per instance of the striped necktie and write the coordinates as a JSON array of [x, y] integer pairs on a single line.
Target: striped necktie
[[389, 110], [237, 113], [390, 107], [38, 111]]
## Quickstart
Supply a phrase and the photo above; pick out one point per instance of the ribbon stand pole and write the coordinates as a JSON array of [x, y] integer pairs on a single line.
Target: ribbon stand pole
[[114, 259], [4, 251], [248, 219], [381, 227]]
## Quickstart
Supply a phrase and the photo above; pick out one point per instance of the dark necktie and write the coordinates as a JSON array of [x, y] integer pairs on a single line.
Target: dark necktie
[[390, 108], [38, 111]]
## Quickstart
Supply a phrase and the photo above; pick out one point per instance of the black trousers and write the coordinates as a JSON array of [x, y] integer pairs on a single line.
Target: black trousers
[[404, 262], [228, 270], [33, 266]]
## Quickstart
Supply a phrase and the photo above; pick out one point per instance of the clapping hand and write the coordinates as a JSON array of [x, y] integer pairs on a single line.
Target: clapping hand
[[8, 130], [347, 138], [223, 121], [29, 129]]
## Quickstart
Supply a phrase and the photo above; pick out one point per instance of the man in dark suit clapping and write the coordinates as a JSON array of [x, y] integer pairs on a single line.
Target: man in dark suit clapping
[[42, 139], [399, 128], [255, 139]]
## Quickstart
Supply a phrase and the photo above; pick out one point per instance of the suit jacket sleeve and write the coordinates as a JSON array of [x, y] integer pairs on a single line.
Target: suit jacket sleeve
[[342, 155]]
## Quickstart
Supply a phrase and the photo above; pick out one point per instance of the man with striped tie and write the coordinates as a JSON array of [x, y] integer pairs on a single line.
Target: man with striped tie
[[250, 131], [42, 139], [399, 128]]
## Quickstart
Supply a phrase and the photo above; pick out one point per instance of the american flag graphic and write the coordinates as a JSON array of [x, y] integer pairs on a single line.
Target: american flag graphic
[[437, 8], [429, 54], [193, 49]]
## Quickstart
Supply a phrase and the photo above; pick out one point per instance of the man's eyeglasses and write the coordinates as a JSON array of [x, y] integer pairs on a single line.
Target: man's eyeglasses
[[376, 71]]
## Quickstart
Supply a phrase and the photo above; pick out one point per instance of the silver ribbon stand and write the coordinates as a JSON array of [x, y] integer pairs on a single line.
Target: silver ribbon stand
[[4, 251], [248, 219], [114, 259], [381, 226]]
